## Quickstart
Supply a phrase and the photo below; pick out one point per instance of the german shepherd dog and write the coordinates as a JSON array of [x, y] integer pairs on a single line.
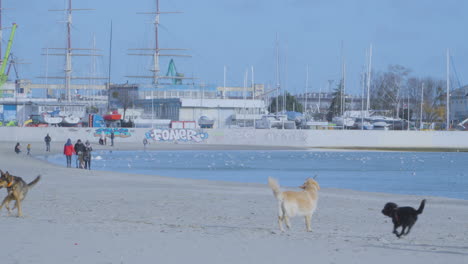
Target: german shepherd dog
[[17, 190], [290, 203], [402, 216]]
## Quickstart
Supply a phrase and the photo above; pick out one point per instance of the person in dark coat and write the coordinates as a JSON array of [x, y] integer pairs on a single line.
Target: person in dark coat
[[17, 148], [87, 155], [145, 142], [112, 138], [47, 140], [68, 151], [79, 150]]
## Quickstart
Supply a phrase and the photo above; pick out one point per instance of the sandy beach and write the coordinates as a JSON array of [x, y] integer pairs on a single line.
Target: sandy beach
[[79, 216]]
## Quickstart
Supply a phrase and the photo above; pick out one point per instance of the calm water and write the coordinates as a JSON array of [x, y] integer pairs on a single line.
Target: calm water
[[421, 173]]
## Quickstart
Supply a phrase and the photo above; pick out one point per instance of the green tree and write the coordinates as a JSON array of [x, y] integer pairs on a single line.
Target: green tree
[[336, 103], [292, 104]]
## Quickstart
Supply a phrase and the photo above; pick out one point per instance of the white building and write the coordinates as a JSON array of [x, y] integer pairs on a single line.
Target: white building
[[224, 112], [459, 104]]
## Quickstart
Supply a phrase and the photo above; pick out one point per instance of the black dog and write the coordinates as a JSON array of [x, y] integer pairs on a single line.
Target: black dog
[[402, 216]]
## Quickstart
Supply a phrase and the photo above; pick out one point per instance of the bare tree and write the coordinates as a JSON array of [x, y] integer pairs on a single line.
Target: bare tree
[[387, 88]]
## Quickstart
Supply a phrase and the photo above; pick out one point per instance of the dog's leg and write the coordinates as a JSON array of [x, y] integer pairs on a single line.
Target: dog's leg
[[14, 207], [285, 216], [409, 228], [280, 217], [280, 222], [18, 205], [395, 230], [308, 219], [402, 231], [286, 220], [5, 202], [7, 205]]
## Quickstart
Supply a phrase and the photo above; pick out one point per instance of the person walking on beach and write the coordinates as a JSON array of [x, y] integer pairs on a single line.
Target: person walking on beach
[[68, 151], [87, 155], [29, 149], [47, 140], [102, 140], [145, 142], [17, 148], [112, 137], [79, 150]]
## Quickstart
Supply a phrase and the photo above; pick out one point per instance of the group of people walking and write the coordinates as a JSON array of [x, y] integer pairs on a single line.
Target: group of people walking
[[82, 151]]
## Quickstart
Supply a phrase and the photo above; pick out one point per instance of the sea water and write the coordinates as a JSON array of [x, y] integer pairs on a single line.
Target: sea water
[[421, 173]]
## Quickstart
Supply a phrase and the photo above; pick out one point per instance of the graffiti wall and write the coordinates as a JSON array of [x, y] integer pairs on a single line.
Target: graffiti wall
[[118, 132], [182, 135]]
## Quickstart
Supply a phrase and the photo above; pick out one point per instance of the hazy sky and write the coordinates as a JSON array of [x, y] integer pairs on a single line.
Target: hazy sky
[[240, 34]]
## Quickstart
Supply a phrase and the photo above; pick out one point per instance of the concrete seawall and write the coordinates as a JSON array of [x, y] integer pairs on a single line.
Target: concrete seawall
[[422, 140]]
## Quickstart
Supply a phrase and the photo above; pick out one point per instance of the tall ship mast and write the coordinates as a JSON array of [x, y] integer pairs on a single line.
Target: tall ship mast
[[69, 52], [155, 51]]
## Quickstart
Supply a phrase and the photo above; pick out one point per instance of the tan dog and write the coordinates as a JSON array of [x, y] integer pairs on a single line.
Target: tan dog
[[290, 204], [17, 189]]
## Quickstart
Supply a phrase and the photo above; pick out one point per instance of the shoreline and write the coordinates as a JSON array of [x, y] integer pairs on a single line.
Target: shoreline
[[211, 175], [114, 217], [255, 138]]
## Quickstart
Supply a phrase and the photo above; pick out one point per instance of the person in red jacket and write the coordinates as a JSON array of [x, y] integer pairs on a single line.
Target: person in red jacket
[[68, 151]]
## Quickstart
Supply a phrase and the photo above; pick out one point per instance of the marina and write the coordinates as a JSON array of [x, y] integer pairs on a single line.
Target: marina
[[170, 96]]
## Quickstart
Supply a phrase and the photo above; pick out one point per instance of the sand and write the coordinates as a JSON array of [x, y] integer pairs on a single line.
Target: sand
[[79, 216]]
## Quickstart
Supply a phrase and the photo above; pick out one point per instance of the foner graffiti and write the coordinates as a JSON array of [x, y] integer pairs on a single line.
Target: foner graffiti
[[185, 135]]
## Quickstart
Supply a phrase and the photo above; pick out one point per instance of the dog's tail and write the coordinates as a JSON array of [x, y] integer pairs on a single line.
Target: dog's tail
[[421, 207], [275, 187], [31, 184]]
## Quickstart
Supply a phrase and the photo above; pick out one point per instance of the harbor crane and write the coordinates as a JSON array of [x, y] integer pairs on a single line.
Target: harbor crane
[[3, 75]]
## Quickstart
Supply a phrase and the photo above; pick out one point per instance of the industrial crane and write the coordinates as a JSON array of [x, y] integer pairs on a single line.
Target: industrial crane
[[3, 75]]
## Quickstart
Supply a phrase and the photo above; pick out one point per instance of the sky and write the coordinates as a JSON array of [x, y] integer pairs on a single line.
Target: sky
[[243, 34]]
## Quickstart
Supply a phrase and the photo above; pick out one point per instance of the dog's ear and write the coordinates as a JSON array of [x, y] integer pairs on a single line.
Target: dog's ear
[[317, 185]]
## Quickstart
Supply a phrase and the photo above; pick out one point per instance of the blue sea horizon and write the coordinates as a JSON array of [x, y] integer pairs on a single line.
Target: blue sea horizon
[[418, 173]]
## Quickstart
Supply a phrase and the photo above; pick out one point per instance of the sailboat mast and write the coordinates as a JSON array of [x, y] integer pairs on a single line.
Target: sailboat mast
[[306, 89], [343, 94], [369, 71], [224, 83], [421, 111], [277, 75], [254, 109], [448, 90]]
